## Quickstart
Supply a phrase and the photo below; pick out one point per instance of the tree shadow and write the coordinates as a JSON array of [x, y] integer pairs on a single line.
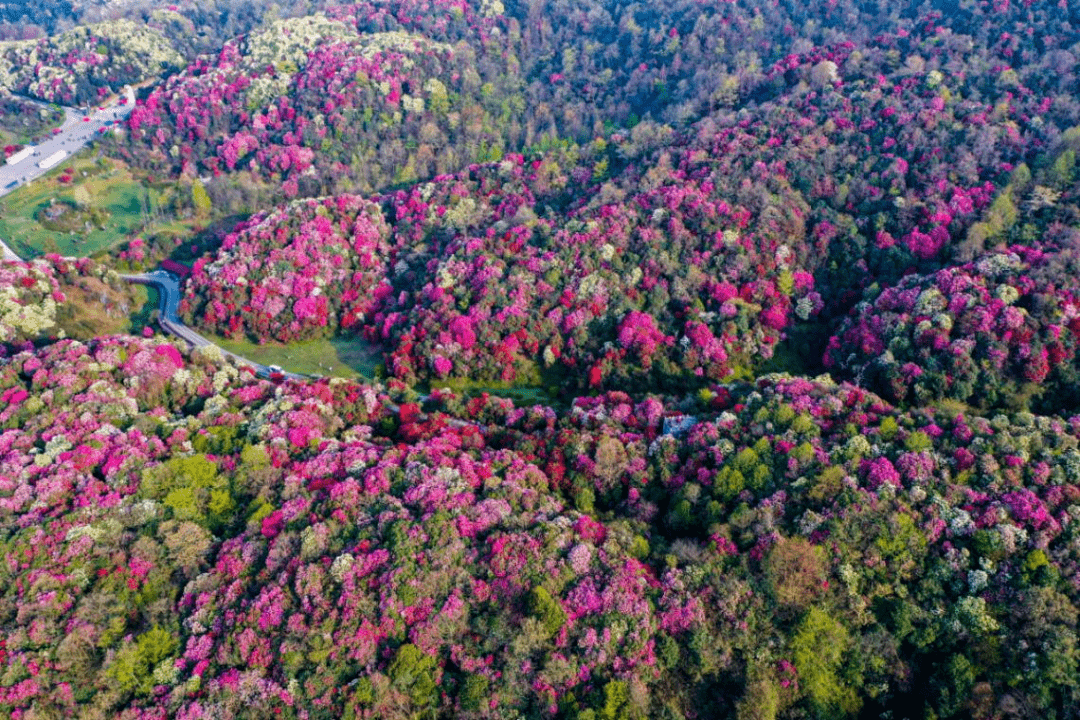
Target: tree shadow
[[146, 315]]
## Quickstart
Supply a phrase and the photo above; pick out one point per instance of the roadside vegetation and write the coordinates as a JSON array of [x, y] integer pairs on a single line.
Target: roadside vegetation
[[23, 122]]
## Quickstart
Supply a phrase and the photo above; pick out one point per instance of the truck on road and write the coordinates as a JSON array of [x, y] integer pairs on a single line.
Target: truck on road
[[21, 155], [53, 159]]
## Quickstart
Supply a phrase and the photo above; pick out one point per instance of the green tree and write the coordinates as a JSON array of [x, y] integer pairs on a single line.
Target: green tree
[[1001, 216], [474, 693], [1060, 174], [188, 544], [1043, 621], [193, 490], [952, 684], [546, 609], [616, 698], [819, 647], [136, 665], [795, 573], [761, 700], [200, 199], [412, 671]]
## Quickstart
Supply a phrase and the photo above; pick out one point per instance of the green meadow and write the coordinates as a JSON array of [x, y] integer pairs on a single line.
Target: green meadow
[[337, 357], [102, 205]]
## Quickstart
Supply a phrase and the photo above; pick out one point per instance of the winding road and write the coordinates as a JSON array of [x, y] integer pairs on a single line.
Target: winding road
[[168, 287], [78, 130]]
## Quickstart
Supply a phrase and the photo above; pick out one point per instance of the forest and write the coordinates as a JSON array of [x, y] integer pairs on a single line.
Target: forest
[[799, 283]]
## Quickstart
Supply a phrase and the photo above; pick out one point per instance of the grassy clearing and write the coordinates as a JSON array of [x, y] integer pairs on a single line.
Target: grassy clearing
[[356, 360], [534, 385], [339, 357], [104, 185], [522, 395]]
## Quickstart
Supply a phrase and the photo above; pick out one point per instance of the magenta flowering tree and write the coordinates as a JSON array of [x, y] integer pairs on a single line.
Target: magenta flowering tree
[[309, 105], [975, 333], [588, 296], [637, 333], [582, 298], [327, 273], [182, 539], [222, 538]]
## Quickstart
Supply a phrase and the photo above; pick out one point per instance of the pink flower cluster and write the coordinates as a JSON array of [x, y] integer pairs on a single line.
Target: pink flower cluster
[[963, 332], [294, 273]]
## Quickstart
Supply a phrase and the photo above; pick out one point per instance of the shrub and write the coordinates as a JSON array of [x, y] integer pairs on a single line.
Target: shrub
[[546, 609]]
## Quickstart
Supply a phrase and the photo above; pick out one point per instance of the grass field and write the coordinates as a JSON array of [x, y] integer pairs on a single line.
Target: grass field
[[356, 360], [108, 186], [521, 394], [339, 357], [533, 385]]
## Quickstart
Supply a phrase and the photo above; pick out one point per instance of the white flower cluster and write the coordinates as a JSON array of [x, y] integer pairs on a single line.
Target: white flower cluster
[[210, 353], [341, 565], [24, 321], [930, 302], [491, 8], [960, 523], [56, 445], [413, 105], [971, 614], [803, 308], [857, 446], [140, 50], [999, 264], [1007, 294], [265, 89], [400, 42], [285, 44], [13, 56]]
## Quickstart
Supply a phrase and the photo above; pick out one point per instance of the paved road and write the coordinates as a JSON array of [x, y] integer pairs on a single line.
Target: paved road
[[168, 286], [7, 253], [76, 132]]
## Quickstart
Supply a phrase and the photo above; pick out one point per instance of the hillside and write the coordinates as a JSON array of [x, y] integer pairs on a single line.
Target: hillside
[[785, 294], [85, 64], [187, 540]]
